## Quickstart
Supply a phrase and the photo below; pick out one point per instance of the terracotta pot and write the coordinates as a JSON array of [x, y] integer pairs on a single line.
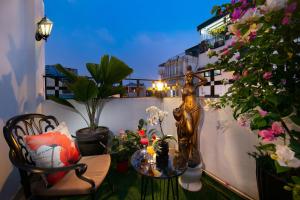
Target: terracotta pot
[[88, 140], [122, 166]]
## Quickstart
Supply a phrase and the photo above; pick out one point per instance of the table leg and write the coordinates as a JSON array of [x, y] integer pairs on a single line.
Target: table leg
[[177, 192], [152, 189], [145, 189], [142, 186], [168, 188], [173, 195]]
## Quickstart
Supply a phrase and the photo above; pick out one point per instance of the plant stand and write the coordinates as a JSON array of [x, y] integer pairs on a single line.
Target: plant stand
[[190, 180]]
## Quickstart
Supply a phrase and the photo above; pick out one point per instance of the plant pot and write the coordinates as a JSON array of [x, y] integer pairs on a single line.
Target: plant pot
[[122, 166], [162, 155], [88, 140], [270, 185]]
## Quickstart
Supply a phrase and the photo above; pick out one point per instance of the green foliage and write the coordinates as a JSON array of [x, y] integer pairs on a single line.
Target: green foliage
[[281, 169], [92, 92], [267, 73], [124, 146]]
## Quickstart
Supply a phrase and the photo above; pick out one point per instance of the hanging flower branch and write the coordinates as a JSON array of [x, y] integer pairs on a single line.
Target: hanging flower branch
[[264, 56]]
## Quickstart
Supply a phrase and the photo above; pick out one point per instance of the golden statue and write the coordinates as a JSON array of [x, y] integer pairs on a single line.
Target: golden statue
[[187, 117]]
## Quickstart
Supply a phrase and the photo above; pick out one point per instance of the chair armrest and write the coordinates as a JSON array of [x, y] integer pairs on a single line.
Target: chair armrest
[[79, 168]]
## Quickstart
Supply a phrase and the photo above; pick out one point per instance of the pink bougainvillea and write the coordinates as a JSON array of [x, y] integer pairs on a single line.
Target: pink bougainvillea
[[267, 75]]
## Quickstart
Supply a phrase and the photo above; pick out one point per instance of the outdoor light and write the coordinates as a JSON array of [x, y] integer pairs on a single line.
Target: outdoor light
[[159, 86], [44, 28]]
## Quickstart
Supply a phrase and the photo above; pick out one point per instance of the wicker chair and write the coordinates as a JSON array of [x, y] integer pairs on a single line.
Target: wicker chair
[[83, 178]]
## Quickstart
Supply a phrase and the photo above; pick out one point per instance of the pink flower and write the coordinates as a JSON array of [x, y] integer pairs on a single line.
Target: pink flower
[[267, 134], [288, 12], [233, 1], [243, 121], [277, 128], [144, 141], [252, 35], [245, 73], [267, 75], [236, 14], [285, 20], [236, 77], [226, 52], [238, 57], [291, 8], [233, 43], [283, 81], [262, 113]]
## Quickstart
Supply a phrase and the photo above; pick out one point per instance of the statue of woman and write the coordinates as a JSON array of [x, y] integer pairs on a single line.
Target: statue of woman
[[187, 117]]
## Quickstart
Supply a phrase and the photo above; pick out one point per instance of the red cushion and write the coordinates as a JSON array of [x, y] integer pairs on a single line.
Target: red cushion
[[53, 149]]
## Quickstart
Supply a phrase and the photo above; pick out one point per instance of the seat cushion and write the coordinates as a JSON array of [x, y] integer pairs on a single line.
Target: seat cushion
[[70, 184]]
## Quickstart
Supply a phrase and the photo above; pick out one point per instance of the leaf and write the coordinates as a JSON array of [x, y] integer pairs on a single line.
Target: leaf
[[296, 179], [70, 75], [94, 70], [280, 169], [295, 119], [115, 71], [83, 89], [273, 99], [214, 9], [294, 145], [168, 137], [258, 123], [61, 101], [267, 147], [151, 132]]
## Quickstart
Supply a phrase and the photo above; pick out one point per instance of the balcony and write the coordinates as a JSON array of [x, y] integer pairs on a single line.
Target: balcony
[[228, 174]]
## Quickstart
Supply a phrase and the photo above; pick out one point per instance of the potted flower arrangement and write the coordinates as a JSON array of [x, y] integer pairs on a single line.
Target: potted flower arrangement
[[264, 57], [160, 144], [123, 146], [93, 92]]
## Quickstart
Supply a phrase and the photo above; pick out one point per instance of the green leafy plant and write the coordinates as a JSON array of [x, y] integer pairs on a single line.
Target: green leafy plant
[[264, 57], [124, 145], [93, 92]]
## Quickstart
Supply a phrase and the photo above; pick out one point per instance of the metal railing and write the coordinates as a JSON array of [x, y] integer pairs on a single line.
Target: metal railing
[[134, 87]]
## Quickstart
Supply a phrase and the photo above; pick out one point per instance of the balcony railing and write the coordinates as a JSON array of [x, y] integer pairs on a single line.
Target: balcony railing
[[134, 87]]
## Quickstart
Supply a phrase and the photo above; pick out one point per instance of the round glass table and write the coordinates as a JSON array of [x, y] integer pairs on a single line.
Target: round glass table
[[164, 177]]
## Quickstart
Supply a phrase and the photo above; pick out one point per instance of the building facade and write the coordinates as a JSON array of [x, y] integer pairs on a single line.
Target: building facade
[[212, 36]]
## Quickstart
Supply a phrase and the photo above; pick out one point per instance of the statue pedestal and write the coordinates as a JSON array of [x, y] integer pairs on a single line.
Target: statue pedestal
[[190, 180]]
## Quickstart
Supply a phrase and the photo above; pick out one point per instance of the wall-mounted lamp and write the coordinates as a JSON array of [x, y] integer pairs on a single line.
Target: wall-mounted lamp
[[44, 28]]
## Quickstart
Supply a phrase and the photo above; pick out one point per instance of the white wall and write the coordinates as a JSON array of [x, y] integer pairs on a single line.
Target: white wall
[[21, 67], [223, 144]]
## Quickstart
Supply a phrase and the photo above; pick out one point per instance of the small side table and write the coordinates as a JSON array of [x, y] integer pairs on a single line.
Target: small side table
[[176, 167]]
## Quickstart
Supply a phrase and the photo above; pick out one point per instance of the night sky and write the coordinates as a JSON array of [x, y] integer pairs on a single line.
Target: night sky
[[143, 33]]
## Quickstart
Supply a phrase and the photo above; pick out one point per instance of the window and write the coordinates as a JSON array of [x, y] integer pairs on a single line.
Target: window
[[217, 72], [207, 74]]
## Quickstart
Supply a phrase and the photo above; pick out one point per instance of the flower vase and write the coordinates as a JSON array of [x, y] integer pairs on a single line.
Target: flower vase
[[162, 155]]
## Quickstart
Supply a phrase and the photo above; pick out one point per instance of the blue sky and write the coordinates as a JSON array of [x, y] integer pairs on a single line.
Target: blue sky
[[143, 33]]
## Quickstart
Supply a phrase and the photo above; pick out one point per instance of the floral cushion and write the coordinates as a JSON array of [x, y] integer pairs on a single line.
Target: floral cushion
[[55, 148]]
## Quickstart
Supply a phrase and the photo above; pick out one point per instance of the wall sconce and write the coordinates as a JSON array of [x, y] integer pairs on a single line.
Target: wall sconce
[[44, 28]]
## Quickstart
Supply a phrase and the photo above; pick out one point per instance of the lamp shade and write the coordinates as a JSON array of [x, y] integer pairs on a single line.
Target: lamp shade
[[44, 28]]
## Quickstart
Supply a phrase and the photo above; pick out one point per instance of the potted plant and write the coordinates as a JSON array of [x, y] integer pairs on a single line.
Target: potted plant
[[93, 92], [264, 59], [160, 144], [123, 146]]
